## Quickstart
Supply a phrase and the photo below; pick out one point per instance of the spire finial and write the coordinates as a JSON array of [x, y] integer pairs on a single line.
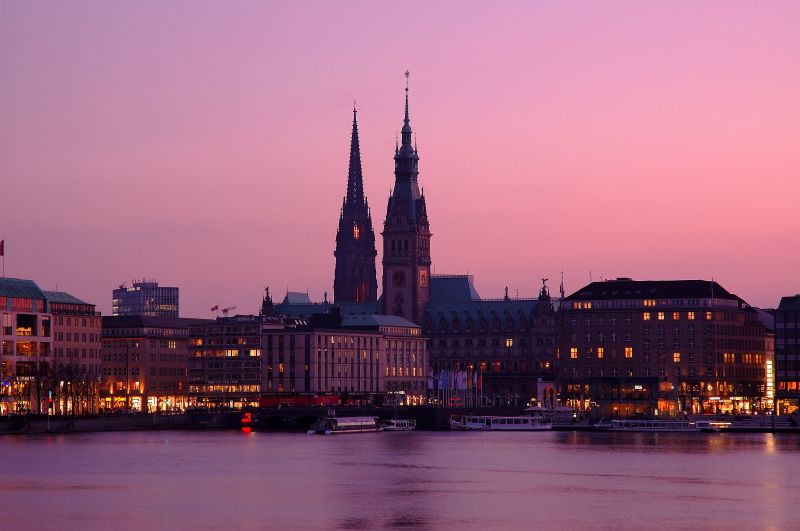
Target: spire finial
[[406, 118]]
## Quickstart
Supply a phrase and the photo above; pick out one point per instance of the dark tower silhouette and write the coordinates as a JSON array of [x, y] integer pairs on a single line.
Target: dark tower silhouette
[[355, 279], [406, 236], [267, 307]]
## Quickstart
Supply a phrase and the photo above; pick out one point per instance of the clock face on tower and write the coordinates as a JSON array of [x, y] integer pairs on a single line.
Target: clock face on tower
[[399, 279]]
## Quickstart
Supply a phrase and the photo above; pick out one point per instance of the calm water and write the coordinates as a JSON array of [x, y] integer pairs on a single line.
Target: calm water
[[229, 480]]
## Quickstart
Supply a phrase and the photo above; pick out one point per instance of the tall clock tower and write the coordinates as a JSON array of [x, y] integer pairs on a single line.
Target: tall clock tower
[[406, 236]]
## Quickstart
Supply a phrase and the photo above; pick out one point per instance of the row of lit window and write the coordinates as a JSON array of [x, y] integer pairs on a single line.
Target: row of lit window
[[227, 353], [573, 353], [394, 371], [676, 316]]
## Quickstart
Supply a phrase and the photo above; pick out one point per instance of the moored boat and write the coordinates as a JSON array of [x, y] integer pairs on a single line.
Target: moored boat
[[331, 425], [399, 425], [712, 426], [486, 423], [645, 425]]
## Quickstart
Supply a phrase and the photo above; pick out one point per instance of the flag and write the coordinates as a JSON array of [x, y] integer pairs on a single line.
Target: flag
[[2, 247], [214, 308]]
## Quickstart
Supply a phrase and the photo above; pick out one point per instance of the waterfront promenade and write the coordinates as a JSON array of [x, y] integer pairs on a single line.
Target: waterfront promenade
[[290, 419]]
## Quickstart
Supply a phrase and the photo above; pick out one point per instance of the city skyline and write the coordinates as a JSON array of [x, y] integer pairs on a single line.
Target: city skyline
[[219, 164]]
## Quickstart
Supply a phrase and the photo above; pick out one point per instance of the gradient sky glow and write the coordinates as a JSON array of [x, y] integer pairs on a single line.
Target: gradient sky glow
[[206, 144]]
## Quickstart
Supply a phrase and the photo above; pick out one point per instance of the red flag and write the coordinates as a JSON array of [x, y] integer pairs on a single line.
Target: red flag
[[2, 247]]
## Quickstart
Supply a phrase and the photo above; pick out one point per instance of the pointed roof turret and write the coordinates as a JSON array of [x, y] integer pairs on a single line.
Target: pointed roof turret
[[355, 182]]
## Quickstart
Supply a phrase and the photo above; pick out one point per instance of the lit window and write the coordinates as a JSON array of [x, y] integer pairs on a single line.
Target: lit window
[[660, 316], [628, 352], [709, 316], [281, 368], [356, 231], [649, 303], [646, 316], [600, 352], [676, 357], [690, 316], [676, 316], [573, 353], [509, 342]]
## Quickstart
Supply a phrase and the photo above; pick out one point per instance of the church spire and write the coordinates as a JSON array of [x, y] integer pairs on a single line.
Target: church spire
[[355, 184], [355, 279]]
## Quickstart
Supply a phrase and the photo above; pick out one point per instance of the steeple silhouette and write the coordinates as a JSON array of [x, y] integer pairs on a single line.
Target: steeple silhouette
[[355, 181], [355, 278]]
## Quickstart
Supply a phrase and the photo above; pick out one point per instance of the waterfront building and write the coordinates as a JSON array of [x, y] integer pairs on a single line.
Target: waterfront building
[[506, 346], [406, 235], [76, 361], [225, 360], [767, 318], [290, 355], [705, 345], [145, 298], [787, 354], [25, 346], [144, 362], [355, 279], [405, 353]]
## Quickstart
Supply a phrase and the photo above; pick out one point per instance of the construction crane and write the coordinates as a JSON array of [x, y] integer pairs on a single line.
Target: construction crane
[[226, 310]]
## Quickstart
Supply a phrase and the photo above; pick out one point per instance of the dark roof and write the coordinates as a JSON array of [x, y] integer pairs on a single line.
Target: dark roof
[[21, 288], [652, 289], [62, 297], [296, 297], [374, 321], [303, 310], [453, 288], [767, 318], [790, 303], [139, 321], [316, 308], [360, 308], [516, 310]]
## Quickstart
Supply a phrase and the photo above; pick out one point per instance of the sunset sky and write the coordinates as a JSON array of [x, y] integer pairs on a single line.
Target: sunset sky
[[205, 144]]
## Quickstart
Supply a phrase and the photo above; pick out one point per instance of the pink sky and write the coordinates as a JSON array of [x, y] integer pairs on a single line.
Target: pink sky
[[206, 144]]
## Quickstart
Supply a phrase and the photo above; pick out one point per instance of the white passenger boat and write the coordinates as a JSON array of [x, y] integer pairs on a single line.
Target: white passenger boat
[[522, 423], [399, 425], [712, 425], [645, 425], [331, 425]]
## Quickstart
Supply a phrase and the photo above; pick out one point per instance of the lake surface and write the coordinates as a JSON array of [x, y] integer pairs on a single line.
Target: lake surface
[[413, 480]]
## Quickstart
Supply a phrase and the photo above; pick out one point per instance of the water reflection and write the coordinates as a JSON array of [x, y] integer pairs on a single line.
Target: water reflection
[[400, 480]]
